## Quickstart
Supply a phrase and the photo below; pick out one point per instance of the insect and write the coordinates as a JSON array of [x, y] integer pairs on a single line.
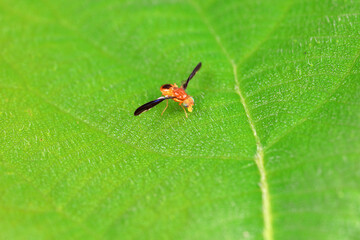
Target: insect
[[172, 91]]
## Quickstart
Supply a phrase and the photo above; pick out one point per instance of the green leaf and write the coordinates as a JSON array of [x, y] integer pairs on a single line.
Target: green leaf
[[271, 150]]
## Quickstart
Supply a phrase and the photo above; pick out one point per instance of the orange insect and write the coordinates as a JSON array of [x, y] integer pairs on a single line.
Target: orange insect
[[172, 91]]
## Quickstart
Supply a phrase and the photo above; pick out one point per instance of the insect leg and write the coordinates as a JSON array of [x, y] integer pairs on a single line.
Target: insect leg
[[167, 103], [184, 111]]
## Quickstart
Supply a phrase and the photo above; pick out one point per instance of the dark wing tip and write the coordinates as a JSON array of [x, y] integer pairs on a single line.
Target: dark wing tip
[[137, 112], [196, 69], [149, 105], [198, 66]]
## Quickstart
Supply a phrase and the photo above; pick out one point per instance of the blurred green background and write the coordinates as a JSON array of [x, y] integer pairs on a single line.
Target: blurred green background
[[271, 150]]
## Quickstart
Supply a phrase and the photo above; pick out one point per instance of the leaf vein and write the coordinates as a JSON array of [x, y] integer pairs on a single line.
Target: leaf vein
[[259, 155], [318, 107]]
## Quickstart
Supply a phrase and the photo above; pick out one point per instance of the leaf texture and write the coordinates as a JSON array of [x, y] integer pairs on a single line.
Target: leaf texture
[[271, 150]]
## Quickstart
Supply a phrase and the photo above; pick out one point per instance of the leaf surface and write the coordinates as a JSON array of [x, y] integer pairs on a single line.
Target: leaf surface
[[271, 150]]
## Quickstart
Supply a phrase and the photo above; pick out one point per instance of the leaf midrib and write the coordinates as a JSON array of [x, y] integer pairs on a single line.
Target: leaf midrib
[[259, 155]]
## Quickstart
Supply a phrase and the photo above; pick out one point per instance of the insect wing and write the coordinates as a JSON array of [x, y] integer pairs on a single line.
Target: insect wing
[[149, 105], [196, 69]]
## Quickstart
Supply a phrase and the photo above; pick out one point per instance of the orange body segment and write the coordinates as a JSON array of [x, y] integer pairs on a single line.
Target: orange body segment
[[179, 95]]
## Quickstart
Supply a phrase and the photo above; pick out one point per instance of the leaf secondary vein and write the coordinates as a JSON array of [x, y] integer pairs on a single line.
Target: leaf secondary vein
[[319, 106]]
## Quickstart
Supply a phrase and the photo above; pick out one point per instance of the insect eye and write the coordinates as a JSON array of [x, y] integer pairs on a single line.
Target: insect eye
[[166, 86]]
